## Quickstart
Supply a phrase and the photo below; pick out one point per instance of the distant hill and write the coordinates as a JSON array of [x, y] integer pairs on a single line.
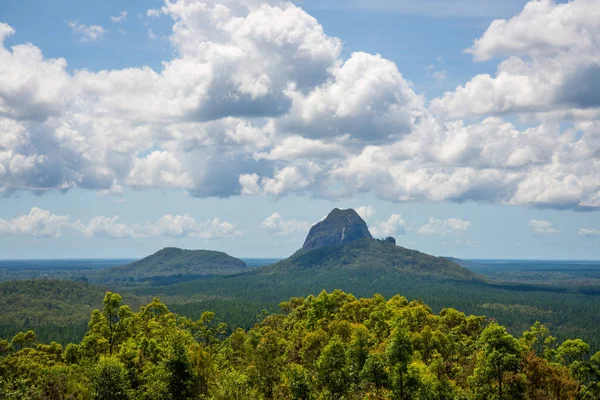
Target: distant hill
[[176, 263], [340, 226]]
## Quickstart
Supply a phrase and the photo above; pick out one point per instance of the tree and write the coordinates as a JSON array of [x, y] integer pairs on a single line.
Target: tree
[[181, 372], [374, 371], [299, 381], [332, 369], [500, 353], [399, 352], [538, 338], [110, 380], [23, 339], [116, 317]]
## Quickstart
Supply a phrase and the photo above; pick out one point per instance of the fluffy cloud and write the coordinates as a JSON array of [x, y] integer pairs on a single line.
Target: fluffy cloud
[[38, 223], [394, 225], [553, 53], [276, 224], [109, 227], [367, 99], [87, 32], [365, 212], [258, 100], [585, 232], [451, 226], [43, 223], [542, 228]]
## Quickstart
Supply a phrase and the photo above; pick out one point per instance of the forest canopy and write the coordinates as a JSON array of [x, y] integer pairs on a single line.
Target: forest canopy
[[330, 346]]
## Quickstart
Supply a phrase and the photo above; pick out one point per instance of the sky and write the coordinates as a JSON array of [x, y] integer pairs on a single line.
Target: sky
[[467, 128]]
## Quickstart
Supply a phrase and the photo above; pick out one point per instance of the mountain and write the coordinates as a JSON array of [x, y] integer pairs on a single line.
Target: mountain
[[176, 263], [340, 226], [342, 241], [371, 255]]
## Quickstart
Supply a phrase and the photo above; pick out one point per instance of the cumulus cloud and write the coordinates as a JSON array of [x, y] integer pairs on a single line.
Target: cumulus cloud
[[38, 223], [394, 225], [550, 50], [276, 224], [365, 212], [258, 100], [542, 228], [109, 227], [451, 226], [586, 232], [43, 223], [87, 33]]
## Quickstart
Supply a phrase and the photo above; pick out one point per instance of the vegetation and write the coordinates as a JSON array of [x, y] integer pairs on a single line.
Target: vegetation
[[330, 346], [371, 255], [575, 276], [243, 297], [172, 262], [57, 310]]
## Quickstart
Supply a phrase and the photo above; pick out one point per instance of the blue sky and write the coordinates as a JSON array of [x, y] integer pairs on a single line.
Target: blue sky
[[238, 125]]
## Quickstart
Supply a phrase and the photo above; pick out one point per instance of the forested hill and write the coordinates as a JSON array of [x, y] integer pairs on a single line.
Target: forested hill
[[172, 261], [329, 347], [371, 255]]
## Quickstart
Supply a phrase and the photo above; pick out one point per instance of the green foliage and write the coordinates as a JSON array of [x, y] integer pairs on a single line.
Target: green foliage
[[56, 310], [109, 380], [171, 262], [329, 346]]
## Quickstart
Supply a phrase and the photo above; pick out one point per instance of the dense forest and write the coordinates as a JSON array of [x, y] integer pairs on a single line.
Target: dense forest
[[330, 346]]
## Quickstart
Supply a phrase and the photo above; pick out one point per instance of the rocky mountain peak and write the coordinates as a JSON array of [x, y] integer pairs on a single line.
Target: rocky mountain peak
[[340, 226]]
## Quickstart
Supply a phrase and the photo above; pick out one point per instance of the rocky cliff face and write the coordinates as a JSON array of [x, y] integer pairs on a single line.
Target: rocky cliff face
[[340, 226]]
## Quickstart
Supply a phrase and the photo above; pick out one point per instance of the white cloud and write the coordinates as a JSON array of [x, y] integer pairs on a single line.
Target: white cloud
[[109, 227], [365, 212], [185, 225], [367, 98], [276, 224], [552, 54], [543, 27], [158, 169], [451, 226], [153, 12], [585, 232], [258, 100], [543, 228], [394, 225], [86, 33], [38, 223], [43, 223], [121, 17]]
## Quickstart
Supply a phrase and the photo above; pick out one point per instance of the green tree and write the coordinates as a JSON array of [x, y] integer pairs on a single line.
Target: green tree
[[399, 353], [181, 372], [109, 380], [374, 371], [500, 354], [299, 381], [332, 369]]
